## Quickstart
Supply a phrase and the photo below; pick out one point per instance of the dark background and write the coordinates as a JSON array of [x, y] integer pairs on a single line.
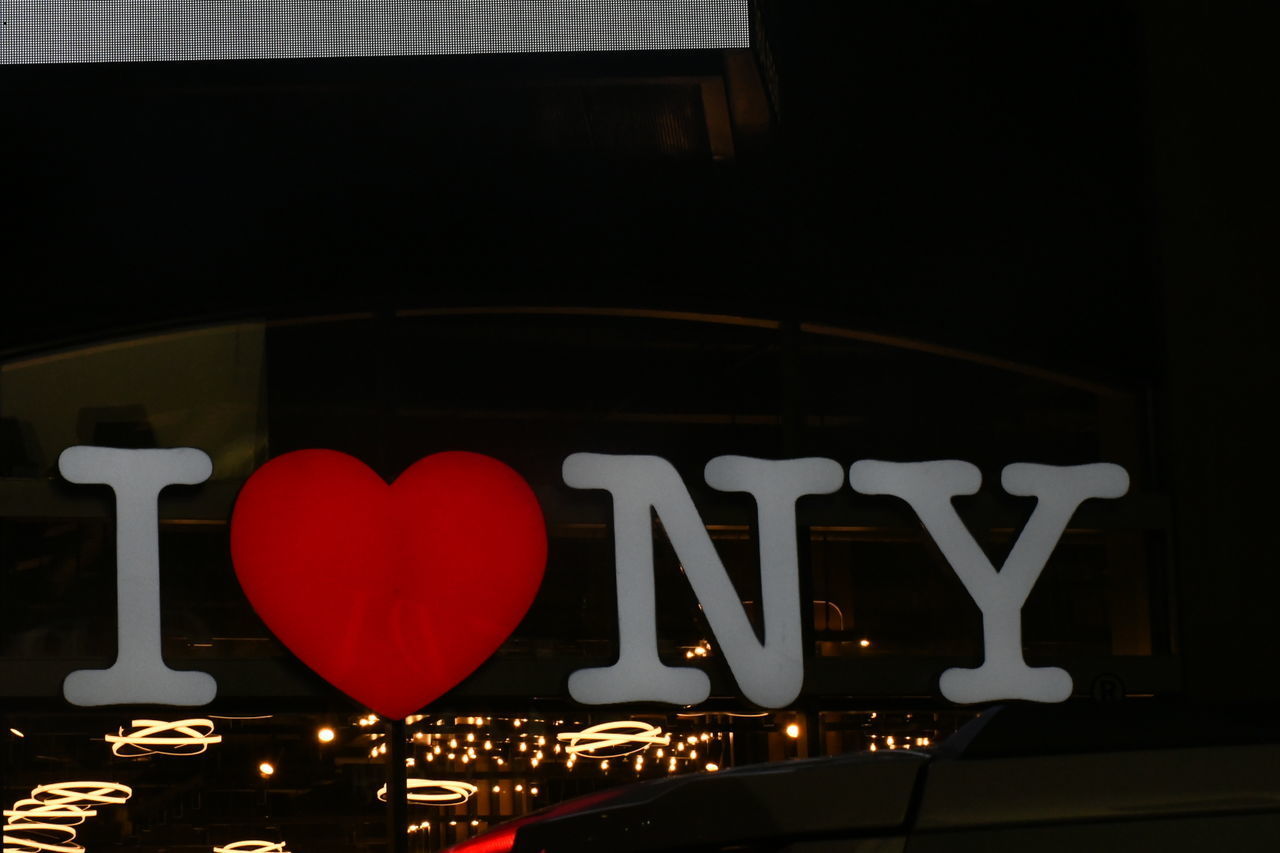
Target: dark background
[[977, 172]]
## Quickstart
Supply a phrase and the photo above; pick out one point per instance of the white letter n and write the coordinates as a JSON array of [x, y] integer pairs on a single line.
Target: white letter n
[[769, 674]]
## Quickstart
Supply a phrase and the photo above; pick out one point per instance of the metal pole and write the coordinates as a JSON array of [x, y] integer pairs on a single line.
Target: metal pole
[[813, 731], [397, 790]]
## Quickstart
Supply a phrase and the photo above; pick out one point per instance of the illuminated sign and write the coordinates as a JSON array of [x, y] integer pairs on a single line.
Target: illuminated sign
[[139, 673], [770, 674], [396, 593], [54, 31], [392, 593]]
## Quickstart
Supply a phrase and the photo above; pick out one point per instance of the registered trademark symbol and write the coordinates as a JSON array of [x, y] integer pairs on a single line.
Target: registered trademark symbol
[[1107, 688]]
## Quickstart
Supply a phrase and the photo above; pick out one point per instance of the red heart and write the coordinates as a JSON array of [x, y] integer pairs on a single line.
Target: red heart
[[393, 594]]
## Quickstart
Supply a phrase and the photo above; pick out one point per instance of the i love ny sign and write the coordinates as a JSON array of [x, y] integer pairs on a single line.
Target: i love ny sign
[[360, 578]]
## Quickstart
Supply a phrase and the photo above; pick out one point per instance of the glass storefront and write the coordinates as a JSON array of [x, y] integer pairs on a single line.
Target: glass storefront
[[884, 612]]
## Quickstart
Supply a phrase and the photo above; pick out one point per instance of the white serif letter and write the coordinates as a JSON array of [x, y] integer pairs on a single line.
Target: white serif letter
[[769, 674], [139, 674], [1059, 490]]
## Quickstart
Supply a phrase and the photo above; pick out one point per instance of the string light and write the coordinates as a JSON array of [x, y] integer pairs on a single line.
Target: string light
[[326, 735], [157, 737], [434, 792], [793, 731], [700, 651], [252, 846], [266, 769], [613, 740]]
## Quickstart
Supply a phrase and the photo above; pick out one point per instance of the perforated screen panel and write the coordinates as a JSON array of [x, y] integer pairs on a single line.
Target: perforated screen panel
[[58, 31]]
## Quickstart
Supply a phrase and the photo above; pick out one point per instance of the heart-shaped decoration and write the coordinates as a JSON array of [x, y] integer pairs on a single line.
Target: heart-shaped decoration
[[392, 593]]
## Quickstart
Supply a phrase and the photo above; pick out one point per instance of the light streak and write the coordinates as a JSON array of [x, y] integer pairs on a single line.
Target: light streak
[[43, 826], [434, 792], [45, 822], [252, 846], [613, 740], [71, 793], [157, 737]]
